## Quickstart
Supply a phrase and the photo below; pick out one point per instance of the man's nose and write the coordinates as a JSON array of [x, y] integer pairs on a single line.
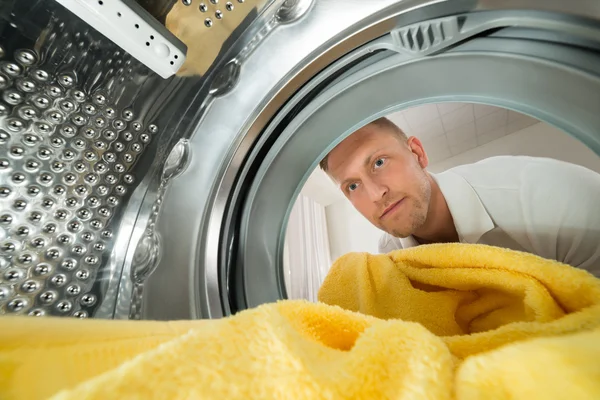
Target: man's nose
[[376, 191]]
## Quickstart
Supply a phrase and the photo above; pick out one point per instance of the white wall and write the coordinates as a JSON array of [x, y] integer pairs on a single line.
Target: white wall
[[349, 231]]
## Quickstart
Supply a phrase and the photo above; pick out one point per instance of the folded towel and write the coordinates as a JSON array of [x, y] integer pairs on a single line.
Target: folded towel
[[300, 350], [476, 297]]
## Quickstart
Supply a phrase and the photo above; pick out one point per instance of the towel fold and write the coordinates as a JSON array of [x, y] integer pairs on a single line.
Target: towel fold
[[454, 322]]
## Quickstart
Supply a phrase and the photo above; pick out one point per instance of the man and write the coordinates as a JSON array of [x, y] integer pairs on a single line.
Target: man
[[538, 205]]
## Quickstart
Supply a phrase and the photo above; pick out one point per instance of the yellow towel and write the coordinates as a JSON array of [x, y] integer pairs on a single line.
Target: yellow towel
[[494, 324]]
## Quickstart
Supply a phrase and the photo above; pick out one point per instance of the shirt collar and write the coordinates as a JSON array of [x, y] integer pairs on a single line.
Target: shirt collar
[[471, 219]]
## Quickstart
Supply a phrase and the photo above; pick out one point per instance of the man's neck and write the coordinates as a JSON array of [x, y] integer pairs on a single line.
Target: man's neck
[[439, 225]]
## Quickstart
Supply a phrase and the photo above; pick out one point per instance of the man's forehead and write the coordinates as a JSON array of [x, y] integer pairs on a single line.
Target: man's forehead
[[352, 151]]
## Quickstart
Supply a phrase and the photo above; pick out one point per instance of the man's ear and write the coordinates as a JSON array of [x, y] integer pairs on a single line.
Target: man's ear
[[416, 148]]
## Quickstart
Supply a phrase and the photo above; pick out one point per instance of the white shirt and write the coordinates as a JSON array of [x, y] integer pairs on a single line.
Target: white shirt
[[538, 205]]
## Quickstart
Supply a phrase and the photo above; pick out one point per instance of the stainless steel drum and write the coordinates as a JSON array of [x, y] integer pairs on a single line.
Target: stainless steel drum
[[126, 195]]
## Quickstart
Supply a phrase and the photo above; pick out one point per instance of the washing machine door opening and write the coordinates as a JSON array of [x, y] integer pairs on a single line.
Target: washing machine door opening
[[549, 69]]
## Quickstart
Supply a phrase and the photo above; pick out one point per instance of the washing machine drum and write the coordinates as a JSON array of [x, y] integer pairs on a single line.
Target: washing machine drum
[[127, 195]]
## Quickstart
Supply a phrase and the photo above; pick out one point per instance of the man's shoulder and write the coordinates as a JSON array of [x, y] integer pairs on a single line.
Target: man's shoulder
[[509, 172]]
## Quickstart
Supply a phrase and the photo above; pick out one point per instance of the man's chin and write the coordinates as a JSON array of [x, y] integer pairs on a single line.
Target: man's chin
[[398, 234]]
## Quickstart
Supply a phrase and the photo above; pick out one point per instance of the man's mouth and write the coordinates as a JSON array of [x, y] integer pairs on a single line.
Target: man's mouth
[[393, 207]]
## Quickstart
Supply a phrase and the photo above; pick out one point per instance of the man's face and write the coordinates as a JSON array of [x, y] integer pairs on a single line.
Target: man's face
[[384, 177]]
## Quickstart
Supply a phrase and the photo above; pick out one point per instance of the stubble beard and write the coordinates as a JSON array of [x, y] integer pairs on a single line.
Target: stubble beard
[[419, 211]]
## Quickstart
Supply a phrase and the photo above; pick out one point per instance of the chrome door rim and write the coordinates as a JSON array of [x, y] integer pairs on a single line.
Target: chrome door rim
[[203, 252], [526, 65]]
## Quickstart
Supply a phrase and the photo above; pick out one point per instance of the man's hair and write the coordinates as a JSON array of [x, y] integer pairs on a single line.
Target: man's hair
[[382, 123]]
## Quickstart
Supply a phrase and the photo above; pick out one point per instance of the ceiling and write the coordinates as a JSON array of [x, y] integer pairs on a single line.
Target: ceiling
[[445, 129], [448, 129]]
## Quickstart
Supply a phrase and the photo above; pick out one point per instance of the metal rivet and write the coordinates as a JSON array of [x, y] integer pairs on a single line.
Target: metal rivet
[[82, 274], [58, 280], [55, 91], [66, 80], [203, 7], [81, 190], [208, 22], [187, 2], [6, 219], [15, 125], [38, 243], [218, 14], [27, 112], [102, 190], [35, 217], [4, 191], [50, 228], [18, 178], [104, 212], [73, 290], [64, 306], [26, 57], [16, 305], [128, 115], [63, 239], [22, 231], [89, 133], [53, 254], [59, 189], [68, 154], [12, 69], [42, 269], [80, 314], [32, 165], [57, 142], [37, 313], [74, 226], [69, 178], [17, 151], [87, 236], [84, 213], [19, 205], [69, 264], [44, 153], [78, 249], [91, 260], [14, 275], [88, 299], [80, 167], [41, 75], [25, 258], [57, 166], [48, 297], [30, 286], [46, 178], [107, 234], [120, 190], [229, 6], [96, 224]]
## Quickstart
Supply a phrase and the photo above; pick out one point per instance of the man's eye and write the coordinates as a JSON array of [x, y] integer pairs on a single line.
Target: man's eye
[[352, 187], [379, 163]]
